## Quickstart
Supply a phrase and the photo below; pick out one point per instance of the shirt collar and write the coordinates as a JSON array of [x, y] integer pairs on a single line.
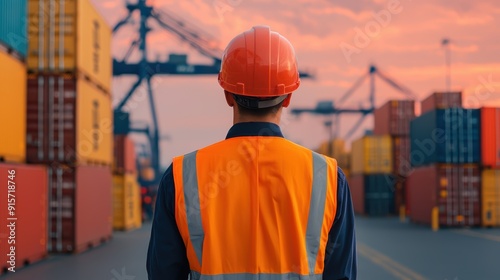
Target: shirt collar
[[254, 129]]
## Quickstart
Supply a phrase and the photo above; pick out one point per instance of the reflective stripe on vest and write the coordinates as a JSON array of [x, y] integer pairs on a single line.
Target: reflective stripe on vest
[[245, 213], [192, 199]]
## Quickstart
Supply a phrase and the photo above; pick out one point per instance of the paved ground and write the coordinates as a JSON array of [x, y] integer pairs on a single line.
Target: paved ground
[[387, 249]]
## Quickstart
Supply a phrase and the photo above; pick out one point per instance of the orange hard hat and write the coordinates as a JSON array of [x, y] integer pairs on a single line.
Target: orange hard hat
[[259, 63]]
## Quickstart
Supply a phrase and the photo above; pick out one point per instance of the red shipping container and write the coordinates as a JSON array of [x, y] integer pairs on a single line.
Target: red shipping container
[[80, 213], [30, 209], [124, 155], [490, 137], [453, 189], [442, 100], [69, 120], [394, 118], [401, 153], [357, 186]]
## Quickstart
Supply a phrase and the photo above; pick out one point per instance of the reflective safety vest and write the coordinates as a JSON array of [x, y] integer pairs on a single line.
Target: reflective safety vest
[[257, 207]]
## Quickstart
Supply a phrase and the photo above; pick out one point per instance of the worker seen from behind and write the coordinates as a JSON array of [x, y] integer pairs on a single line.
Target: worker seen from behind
[[255, 205]]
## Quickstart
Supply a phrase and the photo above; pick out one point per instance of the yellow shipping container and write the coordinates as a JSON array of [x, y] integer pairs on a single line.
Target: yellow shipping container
[[127, 212], [371, 155], [490, 197], [94, 124], [335, 150], [12, 109], [69, 35], [344, 161]]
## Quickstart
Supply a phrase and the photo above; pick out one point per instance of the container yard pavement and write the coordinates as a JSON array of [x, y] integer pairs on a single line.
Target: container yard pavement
[[387, 249]]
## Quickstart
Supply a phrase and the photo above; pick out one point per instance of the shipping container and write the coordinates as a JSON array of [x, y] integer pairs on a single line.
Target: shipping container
[[373, 195], [379, 194], [453, 189], [127, 208], [490, 197], [372, 155], [80, 212], [69, 121], [446, 136], [442, 100], [14, 26], [490, 137], [347, 173], [401, 153], [333, 148], [12, 108], [394, 118], [344, 161], [124, 155], [69, 36], [357, 188], [29, 185]]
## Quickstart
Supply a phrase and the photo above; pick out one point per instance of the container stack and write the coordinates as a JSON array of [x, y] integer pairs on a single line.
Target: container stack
[[490, 161], [445, 152], [24, 187], [371, 181], [393, 119], [337, 150], [127, 209], [69, 119]]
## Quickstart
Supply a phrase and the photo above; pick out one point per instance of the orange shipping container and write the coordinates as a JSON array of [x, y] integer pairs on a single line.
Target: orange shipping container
[[67, 36], [490, 197], [490, 137], [12, 109], [30, 209]]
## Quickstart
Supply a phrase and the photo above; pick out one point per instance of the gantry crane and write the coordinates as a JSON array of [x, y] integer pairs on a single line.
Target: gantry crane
[[175, 65], [335, 109]]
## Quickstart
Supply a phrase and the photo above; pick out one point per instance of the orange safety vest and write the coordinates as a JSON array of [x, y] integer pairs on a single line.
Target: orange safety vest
[[257, 207]]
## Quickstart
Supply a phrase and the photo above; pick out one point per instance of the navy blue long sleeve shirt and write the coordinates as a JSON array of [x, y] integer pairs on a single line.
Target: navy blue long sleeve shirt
[[167, 257]]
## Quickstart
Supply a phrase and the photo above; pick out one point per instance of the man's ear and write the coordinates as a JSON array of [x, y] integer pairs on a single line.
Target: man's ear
[[286, 102], [229, 98]]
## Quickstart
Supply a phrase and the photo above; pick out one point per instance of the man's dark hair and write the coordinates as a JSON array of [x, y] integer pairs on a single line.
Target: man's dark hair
[[243, 106]]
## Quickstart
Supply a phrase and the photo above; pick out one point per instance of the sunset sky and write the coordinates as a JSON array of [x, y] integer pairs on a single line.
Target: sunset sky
[[403, 38]]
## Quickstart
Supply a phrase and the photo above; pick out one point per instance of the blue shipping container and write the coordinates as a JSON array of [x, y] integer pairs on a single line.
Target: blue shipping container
[[379, 194], [14, 25], [445, 136]]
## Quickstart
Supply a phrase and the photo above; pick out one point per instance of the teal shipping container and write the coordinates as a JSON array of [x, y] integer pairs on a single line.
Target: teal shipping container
[[446, 136], [14, 25], [373, 195]]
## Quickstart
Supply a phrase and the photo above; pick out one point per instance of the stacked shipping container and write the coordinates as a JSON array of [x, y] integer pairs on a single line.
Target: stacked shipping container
[[393, 119], [127, 208], [336, 149], [453, 188], [445, 151], [69, 119], [24, 187], [371, 181], [442, 100], [490, 160]]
